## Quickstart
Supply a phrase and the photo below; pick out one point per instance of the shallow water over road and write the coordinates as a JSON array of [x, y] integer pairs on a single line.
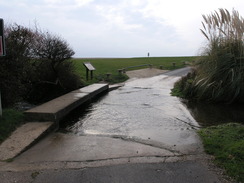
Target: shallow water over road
[[143, 111]]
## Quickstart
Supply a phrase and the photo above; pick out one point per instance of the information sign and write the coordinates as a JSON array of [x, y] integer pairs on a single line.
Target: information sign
[[89, 67]]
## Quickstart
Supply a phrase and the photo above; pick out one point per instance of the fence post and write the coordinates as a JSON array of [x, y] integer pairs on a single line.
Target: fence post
[[120, 71], [108, 75]]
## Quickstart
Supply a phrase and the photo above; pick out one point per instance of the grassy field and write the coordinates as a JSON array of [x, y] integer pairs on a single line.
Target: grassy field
[[111, 65]]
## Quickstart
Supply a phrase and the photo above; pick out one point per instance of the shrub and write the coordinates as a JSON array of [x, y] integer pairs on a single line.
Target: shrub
[[36, 66], [48, 84], [183, 88], [15, 65], [54, 72], [220, 71]]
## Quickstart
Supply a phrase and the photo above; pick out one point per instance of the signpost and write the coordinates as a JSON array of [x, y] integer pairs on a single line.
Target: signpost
[[2, 44], [2, 53], [89, 67]]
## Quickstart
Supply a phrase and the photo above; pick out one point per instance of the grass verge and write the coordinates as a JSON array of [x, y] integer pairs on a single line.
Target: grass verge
[[112, 65], [226, 143], [9, 121]]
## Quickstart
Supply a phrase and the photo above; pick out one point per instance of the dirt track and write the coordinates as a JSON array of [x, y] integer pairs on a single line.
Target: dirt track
[[144, 73]]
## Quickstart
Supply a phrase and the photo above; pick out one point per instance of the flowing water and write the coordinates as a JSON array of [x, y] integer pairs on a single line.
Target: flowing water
[[144, 110]]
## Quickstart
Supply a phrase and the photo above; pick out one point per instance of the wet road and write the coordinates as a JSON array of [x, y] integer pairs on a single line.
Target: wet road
[[143, 111], [137, 133], [139, 122]]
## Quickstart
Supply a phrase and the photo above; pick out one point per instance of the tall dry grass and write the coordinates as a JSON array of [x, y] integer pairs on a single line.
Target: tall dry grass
[[223, 25], [220, 72]]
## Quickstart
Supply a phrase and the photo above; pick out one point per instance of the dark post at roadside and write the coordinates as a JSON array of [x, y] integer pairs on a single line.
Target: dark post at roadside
[[2, 53], [2, 44]]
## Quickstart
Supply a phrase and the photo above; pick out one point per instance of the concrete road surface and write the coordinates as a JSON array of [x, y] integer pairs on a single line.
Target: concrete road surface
[[138, 133], [180, 172]]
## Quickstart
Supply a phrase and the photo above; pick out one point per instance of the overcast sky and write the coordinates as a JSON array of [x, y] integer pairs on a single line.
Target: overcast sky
[[120, 28]]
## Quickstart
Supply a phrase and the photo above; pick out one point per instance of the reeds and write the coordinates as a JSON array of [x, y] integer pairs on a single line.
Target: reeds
[[223, 25], [220, 72]]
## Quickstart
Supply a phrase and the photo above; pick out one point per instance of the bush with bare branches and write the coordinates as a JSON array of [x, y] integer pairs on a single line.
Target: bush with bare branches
[[36, 67]]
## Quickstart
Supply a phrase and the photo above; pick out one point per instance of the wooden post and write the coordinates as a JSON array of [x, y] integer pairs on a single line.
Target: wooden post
[[87, 74], [120, 71], [108, 75], [91, 74]]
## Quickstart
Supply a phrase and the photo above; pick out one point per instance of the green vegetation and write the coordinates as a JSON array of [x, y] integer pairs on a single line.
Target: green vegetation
[[111, 65], [9, 121], [11, 118], [37, 66], [226, 143], [218, 75], [182, 88]]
